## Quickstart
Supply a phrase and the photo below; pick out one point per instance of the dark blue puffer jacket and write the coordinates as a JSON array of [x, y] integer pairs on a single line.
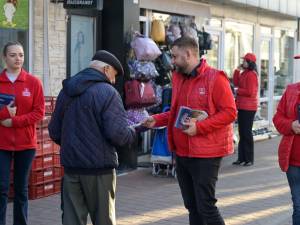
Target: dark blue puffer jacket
[[89, 120]]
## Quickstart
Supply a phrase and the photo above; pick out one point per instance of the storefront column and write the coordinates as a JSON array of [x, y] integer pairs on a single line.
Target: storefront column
[[120, 18]]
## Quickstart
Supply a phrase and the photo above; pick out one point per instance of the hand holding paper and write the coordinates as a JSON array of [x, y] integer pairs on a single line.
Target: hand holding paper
[[12, 109]]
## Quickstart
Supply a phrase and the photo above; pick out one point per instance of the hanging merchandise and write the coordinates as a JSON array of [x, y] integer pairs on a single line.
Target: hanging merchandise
[[142, 70], [205, 41], [136, 116], [139, 94], [145, 48], [189, 32], [164, 66], [166, 97], [158, 32], [172, 33], [156, 108]]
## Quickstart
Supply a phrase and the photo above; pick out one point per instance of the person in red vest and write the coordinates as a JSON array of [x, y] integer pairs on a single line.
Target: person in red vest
[[201, 144], [286, 121], [17, 129], [246, 84]]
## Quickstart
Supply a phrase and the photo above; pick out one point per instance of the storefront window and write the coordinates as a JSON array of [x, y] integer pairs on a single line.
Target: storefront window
[[173, 19], [238, 41], [14, 23], [213, 22], [264, 67], [213, 54], [283, 60]]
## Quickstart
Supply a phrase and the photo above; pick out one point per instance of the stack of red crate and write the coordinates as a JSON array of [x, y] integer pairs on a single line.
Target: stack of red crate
[[46, 171]]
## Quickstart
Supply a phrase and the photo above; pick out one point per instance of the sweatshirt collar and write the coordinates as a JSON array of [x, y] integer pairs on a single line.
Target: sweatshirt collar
[[21, 77]]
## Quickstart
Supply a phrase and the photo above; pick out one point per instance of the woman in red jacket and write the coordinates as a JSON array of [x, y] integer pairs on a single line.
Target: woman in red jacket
[[286, 121], [246, 83], [17, 129]]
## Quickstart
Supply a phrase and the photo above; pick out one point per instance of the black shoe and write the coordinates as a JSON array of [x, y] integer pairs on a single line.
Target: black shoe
[[237, 162], [248, 164]]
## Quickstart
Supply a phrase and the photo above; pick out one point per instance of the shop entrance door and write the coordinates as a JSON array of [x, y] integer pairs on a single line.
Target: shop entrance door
[[213, 56], [266, 78]]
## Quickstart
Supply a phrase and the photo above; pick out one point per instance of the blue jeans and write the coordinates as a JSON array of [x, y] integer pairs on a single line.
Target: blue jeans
[[293, 176], [22, 165]]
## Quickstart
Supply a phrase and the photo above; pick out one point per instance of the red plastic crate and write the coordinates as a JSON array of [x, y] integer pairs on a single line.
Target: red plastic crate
[[56, 159], [42, 134], [56, 148], [44, 122], [49, 104], [45, 175], [44, 148], [43, 190], [45, 161]]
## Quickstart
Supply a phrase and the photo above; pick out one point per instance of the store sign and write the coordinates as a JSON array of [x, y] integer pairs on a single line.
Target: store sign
[[83, 4], [14, 14]]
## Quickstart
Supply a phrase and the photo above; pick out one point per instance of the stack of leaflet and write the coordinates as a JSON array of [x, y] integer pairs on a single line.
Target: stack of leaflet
[[5, 99]]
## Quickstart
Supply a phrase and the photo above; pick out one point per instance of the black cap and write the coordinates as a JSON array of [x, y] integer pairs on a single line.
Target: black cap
[[110, 59]]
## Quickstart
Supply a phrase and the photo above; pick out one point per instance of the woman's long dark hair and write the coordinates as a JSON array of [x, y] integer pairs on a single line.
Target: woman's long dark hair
[[252, 66]]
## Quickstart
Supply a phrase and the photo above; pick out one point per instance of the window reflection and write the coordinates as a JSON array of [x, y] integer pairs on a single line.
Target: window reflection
[[283, 60], [238, 41], [212, 55], [264, 68]]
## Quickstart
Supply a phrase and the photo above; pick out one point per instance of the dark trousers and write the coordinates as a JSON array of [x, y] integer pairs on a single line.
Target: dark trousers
[[22, 165], [197, 179], [89, 194], [293, 176], [246, 143]]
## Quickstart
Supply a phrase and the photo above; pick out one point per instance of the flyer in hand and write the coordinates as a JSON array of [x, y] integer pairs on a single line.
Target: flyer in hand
[[139, 127], [5, 99], [186, 114]]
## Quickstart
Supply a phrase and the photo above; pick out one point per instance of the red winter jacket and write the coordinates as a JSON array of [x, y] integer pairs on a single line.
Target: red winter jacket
[[29, 100], [283, 119], [247, 85], [209, 91]]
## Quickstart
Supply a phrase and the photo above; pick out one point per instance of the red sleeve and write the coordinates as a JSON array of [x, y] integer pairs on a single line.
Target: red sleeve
[[4, 114], [252, 85], [37, 112], [161, 119], [281, 122], [226, 109], [236, 77]]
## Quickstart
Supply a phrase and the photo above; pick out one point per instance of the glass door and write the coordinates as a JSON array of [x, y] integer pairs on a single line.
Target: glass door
[[266, 78], [213, 56]]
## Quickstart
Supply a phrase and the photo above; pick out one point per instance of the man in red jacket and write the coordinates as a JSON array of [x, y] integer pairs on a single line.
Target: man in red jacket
[[200, 147]]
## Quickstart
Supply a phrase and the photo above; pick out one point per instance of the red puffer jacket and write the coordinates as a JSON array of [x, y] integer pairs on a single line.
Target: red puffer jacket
[[247, 85], [209, 91], [283, 119], [29, 100]]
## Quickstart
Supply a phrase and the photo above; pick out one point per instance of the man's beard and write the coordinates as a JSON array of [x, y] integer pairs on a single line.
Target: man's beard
[[181, 69]]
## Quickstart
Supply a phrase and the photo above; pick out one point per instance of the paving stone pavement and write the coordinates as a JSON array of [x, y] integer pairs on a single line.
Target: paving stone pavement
[[255, 195]]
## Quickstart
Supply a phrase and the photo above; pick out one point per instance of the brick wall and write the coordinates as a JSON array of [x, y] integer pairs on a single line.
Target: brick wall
[[57, 44]]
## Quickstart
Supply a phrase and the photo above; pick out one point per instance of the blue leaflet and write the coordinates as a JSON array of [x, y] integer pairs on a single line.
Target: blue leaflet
[[5, 99]]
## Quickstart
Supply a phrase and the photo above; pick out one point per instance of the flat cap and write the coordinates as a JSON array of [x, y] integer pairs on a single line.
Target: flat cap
[[110, 59]]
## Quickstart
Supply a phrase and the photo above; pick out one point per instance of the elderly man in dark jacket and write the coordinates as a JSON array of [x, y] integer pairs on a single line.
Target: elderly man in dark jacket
[[88, 122]]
